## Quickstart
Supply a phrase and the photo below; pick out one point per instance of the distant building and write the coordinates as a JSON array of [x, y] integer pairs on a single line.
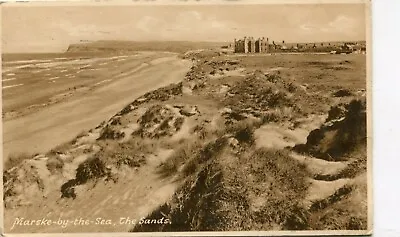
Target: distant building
[[250, 45], [262, 45]]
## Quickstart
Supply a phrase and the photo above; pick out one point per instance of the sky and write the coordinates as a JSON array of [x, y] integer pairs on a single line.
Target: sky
[[53, 28]]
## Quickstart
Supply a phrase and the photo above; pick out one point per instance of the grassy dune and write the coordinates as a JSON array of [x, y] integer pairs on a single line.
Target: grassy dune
[[242, 143]]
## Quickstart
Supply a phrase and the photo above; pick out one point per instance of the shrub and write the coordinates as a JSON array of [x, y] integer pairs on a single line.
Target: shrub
[[201, 131], [336, 112], [54, 164], [332, 141], [68, 189], [129, 160], [245, 135], [337, 196], [291, 87], [352, 131], [179, 122], [243, 131], [270, 116], [274, 78], [109, 133], [131, 153], [101, 124], [92, 168], [342, 93]]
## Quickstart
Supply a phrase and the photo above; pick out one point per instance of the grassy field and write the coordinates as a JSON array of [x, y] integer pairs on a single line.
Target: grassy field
[[348, 71]]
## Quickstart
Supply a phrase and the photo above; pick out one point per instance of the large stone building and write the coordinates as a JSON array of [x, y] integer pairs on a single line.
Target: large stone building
[[250, 45]]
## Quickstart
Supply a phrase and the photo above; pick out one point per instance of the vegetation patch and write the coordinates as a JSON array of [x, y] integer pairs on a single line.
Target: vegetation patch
[[342, 93], [344, 210], [109, 133], [179, 157], [210, 151], [159, 121], [335, 139], [215, 197], [131, 153], [91, 169], [194, 206], [54, 164]]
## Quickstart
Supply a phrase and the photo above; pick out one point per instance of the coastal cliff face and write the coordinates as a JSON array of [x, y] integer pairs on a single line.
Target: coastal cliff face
[[241, 143]]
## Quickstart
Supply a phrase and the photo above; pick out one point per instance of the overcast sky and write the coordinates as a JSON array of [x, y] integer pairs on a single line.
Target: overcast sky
[[53, 28]]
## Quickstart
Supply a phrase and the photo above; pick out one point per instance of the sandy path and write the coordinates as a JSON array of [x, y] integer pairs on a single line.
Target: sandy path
[[59, 123]]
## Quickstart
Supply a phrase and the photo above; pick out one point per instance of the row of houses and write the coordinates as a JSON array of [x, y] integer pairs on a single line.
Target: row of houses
[[262, 45]]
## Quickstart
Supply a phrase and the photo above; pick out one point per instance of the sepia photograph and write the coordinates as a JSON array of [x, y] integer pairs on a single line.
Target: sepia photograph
[[186, 117]]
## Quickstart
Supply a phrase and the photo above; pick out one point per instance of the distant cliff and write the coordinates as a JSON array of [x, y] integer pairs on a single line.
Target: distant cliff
[[126, 46]]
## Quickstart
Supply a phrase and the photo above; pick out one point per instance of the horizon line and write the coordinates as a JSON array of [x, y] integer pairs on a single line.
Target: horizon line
[[64, 50]]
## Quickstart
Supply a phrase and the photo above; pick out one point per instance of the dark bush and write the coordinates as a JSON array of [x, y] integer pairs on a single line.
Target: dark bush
[[342, 93], [109, 133], [92, 168]]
